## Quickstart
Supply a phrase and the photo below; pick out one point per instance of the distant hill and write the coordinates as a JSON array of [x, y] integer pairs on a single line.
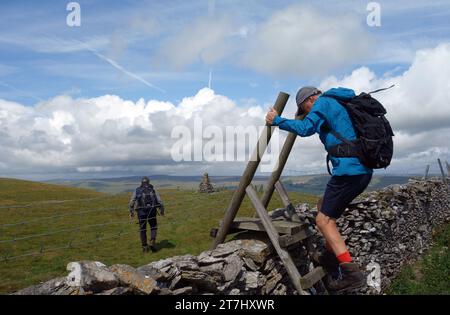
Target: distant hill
[[316, 184], [309, 184]]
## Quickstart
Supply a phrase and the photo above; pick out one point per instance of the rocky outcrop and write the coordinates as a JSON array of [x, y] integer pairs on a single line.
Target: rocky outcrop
[[383, 229]]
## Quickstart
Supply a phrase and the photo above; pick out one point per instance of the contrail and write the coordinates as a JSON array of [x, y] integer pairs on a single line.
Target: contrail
[[122, 69], [210, 79], [24, 93]]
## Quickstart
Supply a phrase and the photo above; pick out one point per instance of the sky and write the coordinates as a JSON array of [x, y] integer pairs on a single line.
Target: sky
[[103, 99]]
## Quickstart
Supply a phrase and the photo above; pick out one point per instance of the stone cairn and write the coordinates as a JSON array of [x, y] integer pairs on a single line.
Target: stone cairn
[[205, 186], [384, 230]]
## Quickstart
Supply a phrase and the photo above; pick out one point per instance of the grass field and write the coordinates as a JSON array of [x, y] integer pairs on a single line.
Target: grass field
[[429, 275], [88, 225]]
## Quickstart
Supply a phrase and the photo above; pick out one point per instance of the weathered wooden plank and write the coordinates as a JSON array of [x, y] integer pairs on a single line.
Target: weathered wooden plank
[[247, 177], [444, 179], [310, 279], [283, 194], [255, 224], [286, 202], [427, 171], [276, 174], [287, 240], [273, 235]]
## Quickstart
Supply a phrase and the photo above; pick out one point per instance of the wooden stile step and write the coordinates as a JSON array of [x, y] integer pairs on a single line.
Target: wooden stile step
[[255, 224], [310, 279], [288, 240]]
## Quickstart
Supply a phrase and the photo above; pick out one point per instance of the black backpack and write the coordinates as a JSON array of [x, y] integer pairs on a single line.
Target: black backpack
[[374, 146], [146, 197]]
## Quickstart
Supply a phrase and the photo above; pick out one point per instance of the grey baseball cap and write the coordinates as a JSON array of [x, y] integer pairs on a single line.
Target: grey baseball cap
[[303, 94]]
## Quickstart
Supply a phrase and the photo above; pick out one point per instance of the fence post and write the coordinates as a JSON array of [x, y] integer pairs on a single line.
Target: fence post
[[248, 175], [427, 170], [444, 180]]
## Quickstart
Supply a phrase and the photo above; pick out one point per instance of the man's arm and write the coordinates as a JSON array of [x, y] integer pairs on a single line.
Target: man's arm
[[304, 128], [132, 203], [158, 199]]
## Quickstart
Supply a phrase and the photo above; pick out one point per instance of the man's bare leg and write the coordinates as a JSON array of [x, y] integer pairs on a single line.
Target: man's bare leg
[[328, 228]]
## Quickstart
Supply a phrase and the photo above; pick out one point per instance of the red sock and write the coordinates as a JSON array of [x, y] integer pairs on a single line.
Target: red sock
[[345, 258]]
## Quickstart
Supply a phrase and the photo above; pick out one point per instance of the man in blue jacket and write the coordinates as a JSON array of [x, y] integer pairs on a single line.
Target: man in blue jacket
[[350, 178]]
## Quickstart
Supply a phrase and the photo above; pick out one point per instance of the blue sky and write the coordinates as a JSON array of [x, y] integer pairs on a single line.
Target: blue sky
[[165, 51], [38, 62]]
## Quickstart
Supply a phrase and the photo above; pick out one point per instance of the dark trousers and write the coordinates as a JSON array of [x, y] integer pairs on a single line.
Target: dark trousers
[[341, 190], [147, 216]]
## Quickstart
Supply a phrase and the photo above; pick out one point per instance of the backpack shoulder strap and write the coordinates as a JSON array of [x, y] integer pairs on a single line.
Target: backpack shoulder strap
[[338, 136]]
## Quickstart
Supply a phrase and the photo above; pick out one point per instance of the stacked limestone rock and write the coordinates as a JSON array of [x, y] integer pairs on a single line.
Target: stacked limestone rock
[[243, 266], [205, 186], [393, 226], [389, 228]]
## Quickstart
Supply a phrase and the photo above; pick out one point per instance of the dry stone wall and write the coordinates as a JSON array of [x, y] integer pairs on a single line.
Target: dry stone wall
[[384, 230]]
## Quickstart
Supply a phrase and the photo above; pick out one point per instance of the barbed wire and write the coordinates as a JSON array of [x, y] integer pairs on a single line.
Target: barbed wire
[[78, 228], [60, 216], [50, 202], [78, 244], [27, 237], [70, 245]]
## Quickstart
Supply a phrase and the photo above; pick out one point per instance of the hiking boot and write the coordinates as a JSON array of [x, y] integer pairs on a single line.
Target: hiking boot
[[145, 249], [153, 246], [329, 262], [350, 278]]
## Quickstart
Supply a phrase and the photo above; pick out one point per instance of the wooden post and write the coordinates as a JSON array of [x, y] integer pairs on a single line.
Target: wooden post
[[247, 177], [274, 238], [276, 174], [427, 170], [444, 180]]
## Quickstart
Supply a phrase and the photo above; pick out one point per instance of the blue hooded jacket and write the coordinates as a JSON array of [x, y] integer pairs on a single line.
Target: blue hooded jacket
[[328, 110]]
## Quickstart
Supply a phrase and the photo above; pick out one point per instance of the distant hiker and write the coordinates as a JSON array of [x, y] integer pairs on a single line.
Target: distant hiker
[[340, 131], [145, 201]]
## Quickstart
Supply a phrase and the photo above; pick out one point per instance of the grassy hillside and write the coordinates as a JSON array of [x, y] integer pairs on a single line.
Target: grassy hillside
[[127, 184], [309, 184], [62, 224], [429, 275]]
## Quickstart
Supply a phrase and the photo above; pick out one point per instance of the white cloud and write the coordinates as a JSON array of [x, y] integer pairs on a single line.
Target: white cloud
[[110, 134], [418, 107], [296, 40], [204, 40], [300, 40], [420, 101]]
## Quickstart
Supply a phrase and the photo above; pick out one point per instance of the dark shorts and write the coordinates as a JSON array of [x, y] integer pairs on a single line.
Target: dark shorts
[[340, 192]]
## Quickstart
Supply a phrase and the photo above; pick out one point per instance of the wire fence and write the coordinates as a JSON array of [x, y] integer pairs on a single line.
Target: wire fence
[[59, 216], [70, 245], [52, 202], [73, 243]]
